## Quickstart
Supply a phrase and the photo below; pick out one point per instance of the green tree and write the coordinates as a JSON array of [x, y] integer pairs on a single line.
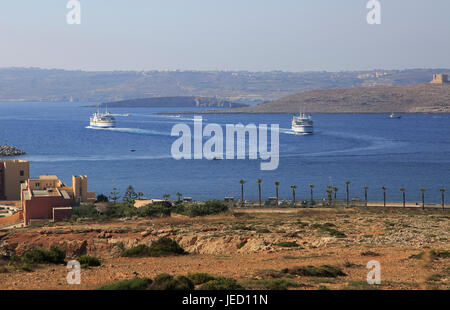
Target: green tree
[[179, 195], [442, 190], [102, 198], [311, 187], [335, 192], [276, 189], [140, 195], [293, 187], [114, 195], [384, 195], [423, 190], [403, 190], [242, 182], [347, 183], [259, 181], [365, 194], [166, 196], [130, 194]]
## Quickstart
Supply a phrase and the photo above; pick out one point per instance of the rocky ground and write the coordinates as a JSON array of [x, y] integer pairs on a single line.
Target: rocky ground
[[250, 246]]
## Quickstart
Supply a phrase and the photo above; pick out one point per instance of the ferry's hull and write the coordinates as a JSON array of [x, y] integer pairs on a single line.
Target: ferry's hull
[[303, 130], [103, 124]]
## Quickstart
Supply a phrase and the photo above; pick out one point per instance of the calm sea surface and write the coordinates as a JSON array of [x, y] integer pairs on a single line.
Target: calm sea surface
[[411, 152]]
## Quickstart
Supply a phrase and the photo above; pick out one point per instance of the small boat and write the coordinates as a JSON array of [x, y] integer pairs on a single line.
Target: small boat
[[394, 116], [303, 124]]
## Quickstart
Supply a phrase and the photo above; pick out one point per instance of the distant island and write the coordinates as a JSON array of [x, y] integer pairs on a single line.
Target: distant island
[[170, 102], [55, 85], [422, 98]]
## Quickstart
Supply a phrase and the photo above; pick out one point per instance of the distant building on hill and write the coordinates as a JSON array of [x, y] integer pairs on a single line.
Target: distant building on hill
[[440, 79]]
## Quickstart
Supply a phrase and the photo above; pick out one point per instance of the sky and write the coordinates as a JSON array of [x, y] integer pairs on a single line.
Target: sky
[[253, 35]]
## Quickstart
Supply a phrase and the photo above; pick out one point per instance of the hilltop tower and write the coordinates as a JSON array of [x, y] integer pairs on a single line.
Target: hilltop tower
[[440, 79]]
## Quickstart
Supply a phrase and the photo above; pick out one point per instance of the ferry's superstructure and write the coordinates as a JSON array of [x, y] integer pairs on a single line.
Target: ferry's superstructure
[[102, 120], [303, 124]]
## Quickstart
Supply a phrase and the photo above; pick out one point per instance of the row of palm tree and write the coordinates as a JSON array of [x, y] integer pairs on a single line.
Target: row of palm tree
[[331, 189]]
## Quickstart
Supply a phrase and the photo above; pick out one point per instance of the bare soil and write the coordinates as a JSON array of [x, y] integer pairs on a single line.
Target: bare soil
[[244, 243]]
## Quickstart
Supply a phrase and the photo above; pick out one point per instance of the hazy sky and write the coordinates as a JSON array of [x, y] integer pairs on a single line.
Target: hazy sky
[[256, 35]]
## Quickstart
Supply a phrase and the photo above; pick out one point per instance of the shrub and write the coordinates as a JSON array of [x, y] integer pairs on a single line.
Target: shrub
[[54, 256], [287, 244], [440, 253], [162, 209], [168, 282], [85, 211], [208, 208], [224, 284], [417, 256], [327, 227], [88, 261], [132, 284], [200, 277], [102, 198], [370, 253], [137, 251], [277, 285], [325, 271], [161, 247]]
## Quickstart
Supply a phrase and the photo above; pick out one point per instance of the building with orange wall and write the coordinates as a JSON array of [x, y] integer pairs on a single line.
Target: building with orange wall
[[48, 198]]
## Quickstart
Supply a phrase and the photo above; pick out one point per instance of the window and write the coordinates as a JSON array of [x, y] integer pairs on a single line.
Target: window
[[22, 173]]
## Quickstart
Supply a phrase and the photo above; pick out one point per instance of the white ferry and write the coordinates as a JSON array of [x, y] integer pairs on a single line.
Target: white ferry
[[102, 120], [303, 124]]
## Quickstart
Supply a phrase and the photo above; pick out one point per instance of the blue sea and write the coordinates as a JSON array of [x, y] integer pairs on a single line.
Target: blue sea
[[366, 149]]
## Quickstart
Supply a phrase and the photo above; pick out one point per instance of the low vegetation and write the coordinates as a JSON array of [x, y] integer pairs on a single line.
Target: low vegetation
[[287, 244], [132, 284], [370, 253], [276, 284], [88, 261], [161, 247], [31, 258], [200, 278], [328, 228], [222, 284], [169, 282], [208, 208], [325, 271]]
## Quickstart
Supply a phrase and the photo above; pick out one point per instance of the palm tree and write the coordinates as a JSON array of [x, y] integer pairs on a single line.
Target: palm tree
[[329, 193], [335, 192], [179, 195], [311, 187], [384, 195], [276, 189], [242, 182], [423, 198], [443, 198], [258, 181], [365, 193], [140, 195], [346, 189], [166, 196], [293, 192], [403, 190]]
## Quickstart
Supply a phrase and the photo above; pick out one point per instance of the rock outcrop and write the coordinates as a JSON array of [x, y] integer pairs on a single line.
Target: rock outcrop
[[8, 150]]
